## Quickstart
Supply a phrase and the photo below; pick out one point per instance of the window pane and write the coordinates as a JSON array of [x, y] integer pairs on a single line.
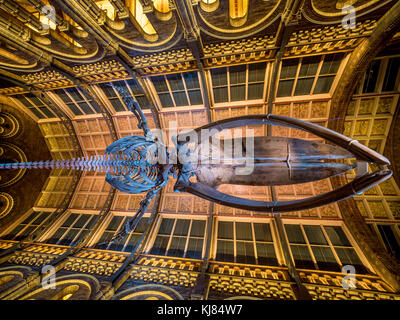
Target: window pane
[[95, 106], [166, 226], [133, 84], [237, 74], [238, 93], [225, 230], [331, 63], [166, 100], [180, 99], [198, 227], [24, 101], [337, 236], [285, 88], [243, 231], [325, 258], [195, 248], [371, 77], [114, 223], [245, 252], [117, 246], [255, 91], [105, 237], [81, 221], [108, 90], [64, 97], [302, 257], [143, 102], [35, 100], [142, 225], [324, 84], [348, 256], [175, 81], [219, 77], [182, 227], [257, 72], [266, 254], [37, 113], [315, 235], [133, 240], [191, 80], [47, 112], [56, 236], [392, 72], [85, 107], [159, 83], [75, 95], [177, 248], [221, 94], [120, 86], [309, 66], [224, 251], [27, 231], [70, 220], [294, 233], [160, 245], [195, 97], [304, 86], [69, 237], [41, 217], [389, 239], [289, 68], [118, 106], [262, 232], [74, 109], [31, 217]]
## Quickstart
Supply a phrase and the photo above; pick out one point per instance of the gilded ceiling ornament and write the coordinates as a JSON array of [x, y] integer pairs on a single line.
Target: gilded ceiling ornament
[[9, 125], [6, 204], [340, 4], [149, 292], [11, 153]]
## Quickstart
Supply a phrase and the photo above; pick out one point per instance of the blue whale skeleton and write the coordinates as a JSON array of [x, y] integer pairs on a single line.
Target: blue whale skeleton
[[132, 164]]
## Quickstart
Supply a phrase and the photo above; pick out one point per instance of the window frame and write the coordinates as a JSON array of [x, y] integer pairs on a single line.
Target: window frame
[[155, 234], [171, 92], [274, 235], [316, 77], [322, 225], [229, 86]]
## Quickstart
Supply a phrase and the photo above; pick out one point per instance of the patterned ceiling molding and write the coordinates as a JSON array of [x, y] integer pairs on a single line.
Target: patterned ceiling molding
[[242, 51], [328, 39], [12, 90]]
